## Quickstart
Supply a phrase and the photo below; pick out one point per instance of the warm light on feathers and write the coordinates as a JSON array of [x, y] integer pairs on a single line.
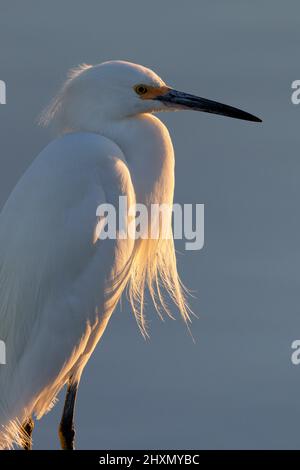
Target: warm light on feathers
[[152, 264]]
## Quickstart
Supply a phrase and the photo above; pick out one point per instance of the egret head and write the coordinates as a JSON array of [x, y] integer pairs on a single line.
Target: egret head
[[116, 90]]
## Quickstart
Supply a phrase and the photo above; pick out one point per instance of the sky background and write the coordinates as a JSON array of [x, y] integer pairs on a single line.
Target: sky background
[[236, 387]]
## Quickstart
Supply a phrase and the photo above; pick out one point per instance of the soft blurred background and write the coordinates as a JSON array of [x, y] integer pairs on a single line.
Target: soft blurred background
[[236, 387]]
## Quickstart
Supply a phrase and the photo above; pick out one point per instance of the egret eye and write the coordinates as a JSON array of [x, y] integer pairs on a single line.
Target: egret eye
[[140, 89]]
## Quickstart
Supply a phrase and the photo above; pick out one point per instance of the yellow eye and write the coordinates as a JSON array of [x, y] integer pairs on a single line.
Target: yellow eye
[[141, 89]]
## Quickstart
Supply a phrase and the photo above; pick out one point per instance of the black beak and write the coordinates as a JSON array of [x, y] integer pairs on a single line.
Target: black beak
[[179, 100]]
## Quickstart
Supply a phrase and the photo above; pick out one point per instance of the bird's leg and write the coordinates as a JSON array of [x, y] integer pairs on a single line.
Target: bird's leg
[[28, 426], [66, 428]]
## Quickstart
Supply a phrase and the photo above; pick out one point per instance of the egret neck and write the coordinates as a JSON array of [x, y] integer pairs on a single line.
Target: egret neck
[[148, 150]]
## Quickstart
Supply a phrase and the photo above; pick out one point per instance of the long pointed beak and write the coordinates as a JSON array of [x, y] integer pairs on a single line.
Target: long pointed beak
[[179, 100]]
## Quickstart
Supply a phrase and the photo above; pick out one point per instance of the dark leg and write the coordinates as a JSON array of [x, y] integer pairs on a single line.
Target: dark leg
[[66, 429], [28, 426]]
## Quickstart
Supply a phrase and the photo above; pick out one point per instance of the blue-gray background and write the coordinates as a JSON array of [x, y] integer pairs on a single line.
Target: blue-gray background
[[236, 387]]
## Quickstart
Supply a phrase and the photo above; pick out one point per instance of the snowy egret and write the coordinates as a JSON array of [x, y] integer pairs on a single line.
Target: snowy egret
[[58, 285]]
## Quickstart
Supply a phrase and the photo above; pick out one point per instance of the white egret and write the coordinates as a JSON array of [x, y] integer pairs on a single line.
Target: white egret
[[58, 285]]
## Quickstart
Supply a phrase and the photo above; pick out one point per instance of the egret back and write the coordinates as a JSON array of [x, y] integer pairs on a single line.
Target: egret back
[[53, 275]]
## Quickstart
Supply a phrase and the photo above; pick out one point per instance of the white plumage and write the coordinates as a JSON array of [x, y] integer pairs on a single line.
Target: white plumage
[[58, 287]]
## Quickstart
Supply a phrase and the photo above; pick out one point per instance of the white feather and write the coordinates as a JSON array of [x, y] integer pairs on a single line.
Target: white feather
[[58, 287]]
